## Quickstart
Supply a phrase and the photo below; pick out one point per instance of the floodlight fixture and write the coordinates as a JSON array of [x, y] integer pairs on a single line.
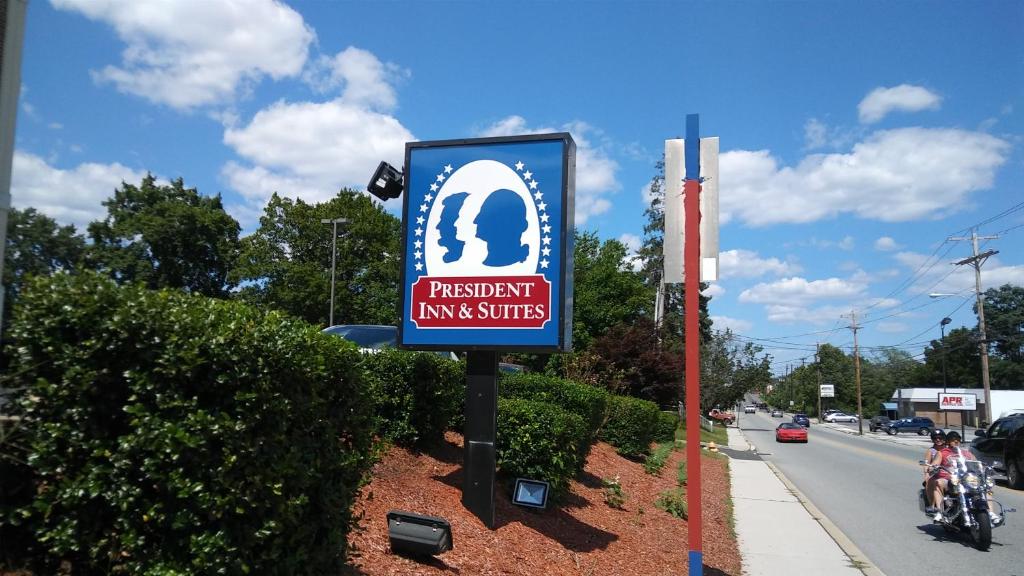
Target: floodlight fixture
[[386, 183], [531, 493], [418, 534]]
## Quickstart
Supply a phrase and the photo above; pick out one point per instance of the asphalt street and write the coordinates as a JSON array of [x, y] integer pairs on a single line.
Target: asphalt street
[[868, 487]]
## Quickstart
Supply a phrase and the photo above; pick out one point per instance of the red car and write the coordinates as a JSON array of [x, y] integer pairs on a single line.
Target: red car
[[790, 432]]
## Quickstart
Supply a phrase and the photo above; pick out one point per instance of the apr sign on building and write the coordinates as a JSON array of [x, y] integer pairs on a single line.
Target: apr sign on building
[[487, 244]]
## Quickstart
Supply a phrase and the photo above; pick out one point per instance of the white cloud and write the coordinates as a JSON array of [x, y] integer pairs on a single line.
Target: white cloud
[[632, 242], [714, 291], [69, 196], [891, 327], [188, 54], [748, 264], [847, 243], [886, 244], [722, 323], [365, 80], [892, 176], [904, 97], [595, 169], [815, 134], [789, 290], [312, 150]]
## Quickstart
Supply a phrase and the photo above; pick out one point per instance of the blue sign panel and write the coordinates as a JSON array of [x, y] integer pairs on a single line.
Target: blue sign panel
[[487, 244]]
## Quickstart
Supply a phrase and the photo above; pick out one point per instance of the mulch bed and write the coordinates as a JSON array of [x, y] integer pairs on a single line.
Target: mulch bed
[[583, 535]]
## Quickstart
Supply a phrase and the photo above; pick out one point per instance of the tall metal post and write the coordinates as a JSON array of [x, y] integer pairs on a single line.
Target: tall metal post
[[334, 257], [976, 260], [691, 311], [942, 330], [481, 430]]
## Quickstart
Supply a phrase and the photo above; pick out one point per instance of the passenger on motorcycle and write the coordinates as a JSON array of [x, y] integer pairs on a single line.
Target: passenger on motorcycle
[[930, 473], [946, 459]]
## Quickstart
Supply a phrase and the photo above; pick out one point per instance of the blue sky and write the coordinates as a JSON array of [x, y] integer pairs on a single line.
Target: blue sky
[[856, 137]]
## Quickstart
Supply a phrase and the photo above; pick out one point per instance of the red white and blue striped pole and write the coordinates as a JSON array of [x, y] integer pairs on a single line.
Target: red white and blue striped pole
[[691, 332]]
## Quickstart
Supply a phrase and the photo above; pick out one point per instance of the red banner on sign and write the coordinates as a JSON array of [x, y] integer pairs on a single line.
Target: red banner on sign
[[481, 302]]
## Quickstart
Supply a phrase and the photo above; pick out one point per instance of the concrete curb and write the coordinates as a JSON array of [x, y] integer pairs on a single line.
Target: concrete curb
[[860, 560]]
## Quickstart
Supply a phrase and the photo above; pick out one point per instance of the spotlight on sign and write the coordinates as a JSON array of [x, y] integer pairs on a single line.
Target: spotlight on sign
[[417, 534], [386, 183], [532, 493]]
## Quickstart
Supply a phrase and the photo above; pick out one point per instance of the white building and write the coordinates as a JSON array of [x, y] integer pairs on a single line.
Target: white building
[[925, 402]]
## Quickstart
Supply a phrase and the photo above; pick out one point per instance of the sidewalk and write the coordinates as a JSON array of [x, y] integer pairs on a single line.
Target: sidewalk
[[777, 534]]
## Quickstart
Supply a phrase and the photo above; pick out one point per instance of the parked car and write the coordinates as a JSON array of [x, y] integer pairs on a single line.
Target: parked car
[[830, 411], [802, 420], [878, 423], [776, 413], [722, 416], [372, 337], [918, 424], [749, 409], [840, 417], [790, 432], [1000, 446]]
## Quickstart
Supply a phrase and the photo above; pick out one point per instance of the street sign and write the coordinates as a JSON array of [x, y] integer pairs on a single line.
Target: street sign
[[828, 391], [488, 244], [675, 175], [965, 402]]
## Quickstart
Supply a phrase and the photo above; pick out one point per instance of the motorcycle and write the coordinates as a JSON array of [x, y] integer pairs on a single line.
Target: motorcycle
[[966, 504]]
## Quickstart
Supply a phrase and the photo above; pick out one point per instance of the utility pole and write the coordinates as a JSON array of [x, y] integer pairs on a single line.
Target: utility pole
[[976, 260], [856, 370], [817, 365]]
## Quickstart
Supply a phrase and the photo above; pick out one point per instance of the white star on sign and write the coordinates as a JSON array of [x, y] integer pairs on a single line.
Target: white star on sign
[[547, 240], [542, 206], [519, 166], [448, 169], [423, 207], [419, 219], [546, 251], [419, 266], [544, 263], [543, 217], [538, 195], [533, 184], [418, 244], [527, 175], [419, 231], [418, 254], [433, 187], [440, 177], [547, 229]]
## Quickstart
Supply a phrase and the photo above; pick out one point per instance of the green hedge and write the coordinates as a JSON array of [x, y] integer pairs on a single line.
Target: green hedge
[[416, 395], [668, 423], [538, 440], [181, 435], [585, 401], [631, 426]]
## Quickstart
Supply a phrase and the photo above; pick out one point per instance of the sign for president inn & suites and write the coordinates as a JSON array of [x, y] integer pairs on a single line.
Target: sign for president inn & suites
[[487, 244]]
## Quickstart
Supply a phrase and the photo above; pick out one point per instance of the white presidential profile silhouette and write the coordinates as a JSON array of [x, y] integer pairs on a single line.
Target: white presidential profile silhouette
[[482, 222]]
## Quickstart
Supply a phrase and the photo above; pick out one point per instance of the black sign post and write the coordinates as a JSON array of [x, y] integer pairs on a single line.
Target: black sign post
[[481, 434]]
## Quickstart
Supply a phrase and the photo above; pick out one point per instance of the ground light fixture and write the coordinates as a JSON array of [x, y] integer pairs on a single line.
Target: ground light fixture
[[417, 534], [530, 493], [386, 183]]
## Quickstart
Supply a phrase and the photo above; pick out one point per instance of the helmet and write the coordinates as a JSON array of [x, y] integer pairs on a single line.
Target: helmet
[[938, 434], [954, 435]]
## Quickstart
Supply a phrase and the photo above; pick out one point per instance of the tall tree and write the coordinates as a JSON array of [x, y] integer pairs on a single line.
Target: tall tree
[[36, 246], [962, 358], [1004, 318], [730, 368], [166, 237], [286, 263]]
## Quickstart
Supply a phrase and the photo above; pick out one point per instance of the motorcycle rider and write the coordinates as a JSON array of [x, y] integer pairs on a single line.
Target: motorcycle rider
[[930, 474], [945, 459]]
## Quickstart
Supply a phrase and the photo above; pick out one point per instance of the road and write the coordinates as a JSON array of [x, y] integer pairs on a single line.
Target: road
[[868, 487]]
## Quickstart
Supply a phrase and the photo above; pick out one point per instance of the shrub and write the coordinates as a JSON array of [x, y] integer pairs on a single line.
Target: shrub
[[173, 434], [631, 425], [668, 423], [656, 460], [538, 440], [674, 502], [416, 395], [613, 495], [585, 401]]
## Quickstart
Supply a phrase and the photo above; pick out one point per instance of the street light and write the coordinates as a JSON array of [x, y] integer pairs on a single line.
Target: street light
[[982, 344], [942, 329], [334, 256]]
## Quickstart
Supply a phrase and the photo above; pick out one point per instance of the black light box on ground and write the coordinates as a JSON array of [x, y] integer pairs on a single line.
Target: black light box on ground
[[411, 533], [532, 493]]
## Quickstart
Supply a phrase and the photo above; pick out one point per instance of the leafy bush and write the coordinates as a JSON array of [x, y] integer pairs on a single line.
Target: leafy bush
[[668, 423], [674, 502], [656, 460], [538, 440], [631, 425], [416, 395], [585, 401], [173, 434], [613, 495]]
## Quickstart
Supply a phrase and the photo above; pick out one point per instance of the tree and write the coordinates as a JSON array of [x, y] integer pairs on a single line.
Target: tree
[[631, 361], [963, 362], [1004, 321], [729, 369], [36, 246], [286, 263], [166, 237]]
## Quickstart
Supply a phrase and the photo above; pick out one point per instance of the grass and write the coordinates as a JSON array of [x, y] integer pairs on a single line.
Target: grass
[[718, 436]]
